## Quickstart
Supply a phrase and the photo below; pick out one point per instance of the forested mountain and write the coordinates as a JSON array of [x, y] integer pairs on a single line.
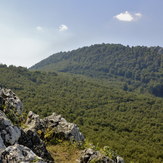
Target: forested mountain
[[129, 123], [140, 67]]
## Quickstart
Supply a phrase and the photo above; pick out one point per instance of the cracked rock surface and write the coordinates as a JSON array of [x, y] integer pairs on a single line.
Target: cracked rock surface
[[56, 122], [19, 154], [9, 134]]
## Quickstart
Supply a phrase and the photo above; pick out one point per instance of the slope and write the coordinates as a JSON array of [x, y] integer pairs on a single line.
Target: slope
[[128, 122], [140, 67]]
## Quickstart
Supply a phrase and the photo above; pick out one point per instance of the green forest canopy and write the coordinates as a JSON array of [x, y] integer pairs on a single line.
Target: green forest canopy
[[130, 123], [140, 67]]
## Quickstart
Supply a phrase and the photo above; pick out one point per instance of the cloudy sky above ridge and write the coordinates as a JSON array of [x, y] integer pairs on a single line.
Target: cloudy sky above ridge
[[33, 30]]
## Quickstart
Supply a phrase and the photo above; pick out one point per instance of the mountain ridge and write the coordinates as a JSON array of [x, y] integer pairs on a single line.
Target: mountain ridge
[[140, 67]]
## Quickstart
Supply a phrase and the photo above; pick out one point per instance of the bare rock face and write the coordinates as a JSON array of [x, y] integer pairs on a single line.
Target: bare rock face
[[2, 145], [33, 121], [8, 132], [11, 135], [12, 152], [30, 148], [70, 130], [119, 159], [90, 155], [10, 100], [30, 139], [53, 120], [57, 123], [19, 154]]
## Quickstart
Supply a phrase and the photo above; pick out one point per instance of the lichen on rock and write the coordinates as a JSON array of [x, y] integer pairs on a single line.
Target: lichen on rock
[[90, 155], [8, 132], [30, 139], [55, 123], [30, 145], [19, 154], [10, 100]]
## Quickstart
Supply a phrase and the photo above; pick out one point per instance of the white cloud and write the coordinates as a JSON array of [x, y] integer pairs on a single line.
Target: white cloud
[[128, 17], [39, 28], [138, 15], [63, 28]]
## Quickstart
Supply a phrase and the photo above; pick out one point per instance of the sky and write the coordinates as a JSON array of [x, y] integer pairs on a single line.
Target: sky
[[32, 30]]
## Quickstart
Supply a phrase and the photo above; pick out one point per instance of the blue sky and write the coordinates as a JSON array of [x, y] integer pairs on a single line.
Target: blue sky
[[31, 30]]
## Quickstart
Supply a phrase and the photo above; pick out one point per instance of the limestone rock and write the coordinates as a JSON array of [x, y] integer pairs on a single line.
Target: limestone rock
[[70, 130], [8, 132], [30, 139], [57, 123], [19, 154], [10, 135], [90, 155], [53, 120], [10, 100], [120, 159], [30, 145], [2, 146], [33, 121]]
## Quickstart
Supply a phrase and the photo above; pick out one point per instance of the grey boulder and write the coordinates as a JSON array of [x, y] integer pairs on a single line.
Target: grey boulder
[[55, 122], [31, 140], [8, 132], [19, 154], [90, 155], [10, 100]]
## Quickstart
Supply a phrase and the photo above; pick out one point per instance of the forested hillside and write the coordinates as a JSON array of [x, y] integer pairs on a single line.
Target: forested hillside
[[131, 124], [140, 67]]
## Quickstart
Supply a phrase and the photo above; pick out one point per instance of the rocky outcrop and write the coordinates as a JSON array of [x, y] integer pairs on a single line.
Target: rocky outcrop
[[119, 159], [20, 145], [27, 140], [56, 123], [8, 132], [34, 122], [2, 145], [19, 154], [31, 140], [60, 125], [90, 155], [16, 144], [11, 151], [10, 100]]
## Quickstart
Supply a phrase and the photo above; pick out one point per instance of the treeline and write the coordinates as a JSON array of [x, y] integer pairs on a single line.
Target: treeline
[[140, 67], [129, 123]]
